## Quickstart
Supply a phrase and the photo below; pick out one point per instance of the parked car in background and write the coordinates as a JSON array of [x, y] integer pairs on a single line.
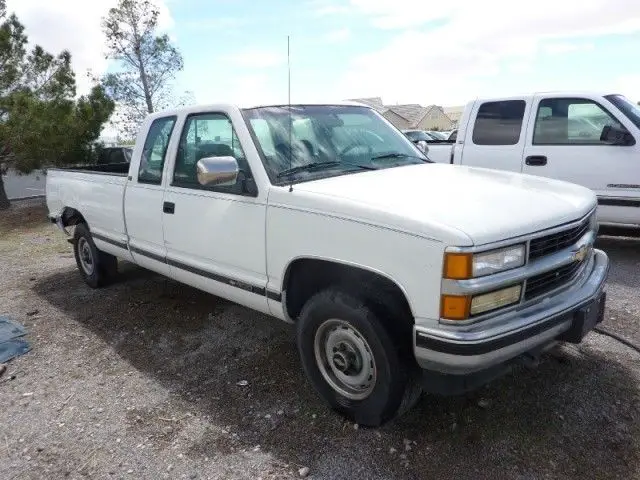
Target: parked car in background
[[420, 138], [110, 155], [437, 135], [327, 217], [590, 139]]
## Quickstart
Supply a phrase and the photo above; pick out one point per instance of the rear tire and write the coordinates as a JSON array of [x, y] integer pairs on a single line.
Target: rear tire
[[356, 364], [96, 267]]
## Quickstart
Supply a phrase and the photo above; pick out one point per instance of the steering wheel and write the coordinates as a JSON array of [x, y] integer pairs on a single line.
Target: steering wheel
[[350, 147]]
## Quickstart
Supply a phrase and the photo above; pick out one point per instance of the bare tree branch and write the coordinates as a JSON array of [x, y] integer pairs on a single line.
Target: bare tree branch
[[148, 62]]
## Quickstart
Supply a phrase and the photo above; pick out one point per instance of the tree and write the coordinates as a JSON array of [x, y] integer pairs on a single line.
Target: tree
[[148, 62], [41, 123]]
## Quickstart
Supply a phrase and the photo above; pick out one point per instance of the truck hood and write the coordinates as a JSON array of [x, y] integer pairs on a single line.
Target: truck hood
[[453, 204]]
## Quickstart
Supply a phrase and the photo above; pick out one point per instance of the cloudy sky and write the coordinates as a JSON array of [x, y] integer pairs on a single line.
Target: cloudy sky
[[406, 51]]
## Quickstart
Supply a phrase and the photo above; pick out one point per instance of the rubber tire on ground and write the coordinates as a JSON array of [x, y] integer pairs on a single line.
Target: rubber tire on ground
[[397, 388], [106, 265]]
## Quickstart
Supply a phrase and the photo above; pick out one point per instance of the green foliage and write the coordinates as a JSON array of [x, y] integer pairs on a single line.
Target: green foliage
[[53, 132], [41, 123], [148, 62]]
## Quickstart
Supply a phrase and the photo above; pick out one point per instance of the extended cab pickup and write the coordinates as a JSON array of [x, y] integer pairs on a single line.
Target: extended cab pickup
[[400, 275], [589, 139]]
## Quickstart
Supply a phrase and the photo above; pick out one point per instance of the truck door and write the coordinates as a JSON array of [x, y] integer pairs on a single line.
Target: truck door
[[215, 235], [494, 137], [564, 143], [143, 203]]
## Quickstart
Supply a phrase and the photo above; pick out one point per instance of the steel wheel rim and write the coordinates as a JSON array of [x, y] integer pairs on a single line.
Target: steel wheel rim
[[85, 255], [345, 359]]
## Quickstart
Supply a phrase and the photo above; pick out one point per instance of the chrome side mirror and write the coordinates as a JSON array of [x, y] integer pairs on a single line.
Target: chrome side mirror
[[423, 146], [220, 171]]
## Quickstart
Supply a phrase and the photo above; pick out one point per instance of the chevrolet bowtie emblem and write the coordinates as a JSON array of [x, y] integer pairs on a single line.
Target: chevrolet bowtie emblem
[[582, 252]]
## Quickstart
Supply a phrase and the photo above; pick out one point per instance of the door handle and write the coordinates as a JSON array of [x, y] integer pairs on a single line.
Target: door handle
[[169, 207], [536, 160]]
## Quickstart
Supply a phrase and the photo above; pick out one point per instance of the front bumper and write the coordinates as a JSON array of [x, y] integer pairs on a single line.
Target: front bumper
[[566, 316]]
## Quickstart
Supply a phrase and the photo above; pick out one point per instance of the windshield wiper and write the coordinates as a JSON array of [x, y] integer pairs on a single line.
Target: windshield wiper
[[399, 155], [310, 167]]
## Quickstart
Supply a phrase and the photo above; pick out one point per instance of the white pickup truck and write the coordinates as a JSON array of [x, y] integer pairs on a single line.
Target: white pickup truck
[[591, 139], [401, 275]]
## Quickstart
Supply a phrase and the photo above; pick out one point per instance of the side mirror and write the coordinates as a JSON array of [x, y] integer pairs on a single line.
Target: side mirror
[[222, 171], [616, 136], [422, 145]]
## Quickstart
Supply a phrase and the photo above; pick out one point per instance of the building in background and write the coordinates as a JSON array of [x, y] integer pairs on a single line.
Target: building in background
[[412, 115], [373, 102], [454, 113]]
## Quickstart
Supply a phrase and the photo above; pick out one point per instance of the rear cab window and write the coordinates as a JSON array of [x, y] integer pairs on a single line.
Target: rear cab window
[[155, 150], [499, 123]]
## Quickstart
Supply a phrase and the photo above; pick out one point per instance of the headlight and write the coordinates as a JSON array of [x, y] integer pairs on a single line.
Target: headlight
[[462, 307], [494, 300], [498, 260], [462, 266]]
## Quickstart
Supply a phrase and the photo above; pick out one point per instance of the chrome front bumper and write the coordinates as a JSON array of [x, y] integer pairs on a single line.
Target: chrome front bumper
[[483, 346]]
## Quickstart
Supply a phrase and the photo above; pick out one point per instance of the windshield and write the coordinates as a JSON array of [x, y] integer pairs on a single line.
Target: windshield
[[301, 143], [630, 109]]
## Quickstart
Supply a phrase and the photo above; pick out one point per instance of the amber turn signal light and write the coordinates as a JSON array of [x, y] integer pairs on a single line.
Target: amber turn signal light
[[458, 266], [455, 307]]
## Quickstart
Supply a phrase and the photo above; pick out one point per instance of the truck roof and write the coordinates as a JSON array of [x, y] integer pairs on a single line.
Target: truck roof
[[223, 106], [566, 93]]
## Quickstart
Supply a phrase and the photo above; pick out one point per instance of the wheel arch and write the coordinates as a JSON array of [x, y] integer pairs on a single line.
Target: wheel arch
[[306, 275], [70, 217]]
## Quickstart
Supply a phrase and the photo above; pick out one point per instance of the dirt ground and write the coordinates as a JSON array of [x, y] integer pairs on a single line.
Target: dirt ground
[[149, 379]]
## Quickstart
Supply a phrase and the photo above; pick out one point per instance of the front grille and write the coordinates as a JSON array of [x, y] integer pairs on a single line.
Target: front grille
[[539, 247], [548, 281]]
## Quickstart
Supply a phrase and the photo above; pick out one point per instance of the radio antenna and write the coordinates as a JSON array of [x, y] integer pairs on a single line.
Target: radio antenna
[[288, 72], [289, 105]]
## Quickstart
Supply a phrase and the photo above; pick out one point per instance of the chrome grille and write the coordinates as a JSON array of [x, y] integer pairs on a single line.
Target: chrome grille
[[539, 247], [549, 281]]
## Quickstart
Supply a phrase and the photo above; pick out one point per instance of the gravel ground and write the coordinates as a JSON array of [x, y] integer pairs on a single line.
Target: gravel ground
[[150, 379]]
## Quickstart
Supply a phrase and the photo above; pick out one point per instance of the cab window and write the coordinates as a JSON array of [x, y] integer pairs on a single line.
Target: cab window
[[571, 121], [209, 135], [499, 123]]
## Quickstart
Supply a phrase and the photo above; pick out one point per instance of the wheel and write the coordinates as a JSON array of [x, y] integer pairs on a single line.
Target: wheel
[[356, 364], [96, 267]]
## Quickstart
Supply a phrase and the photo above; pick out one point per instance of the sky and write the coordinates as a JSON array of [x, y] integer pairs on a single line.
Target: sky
[[405, 51]]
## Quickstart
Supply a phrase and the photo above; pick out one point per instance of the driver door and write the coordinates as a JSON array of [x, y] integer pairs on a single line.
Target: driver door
[[214, 235], [563, 142]]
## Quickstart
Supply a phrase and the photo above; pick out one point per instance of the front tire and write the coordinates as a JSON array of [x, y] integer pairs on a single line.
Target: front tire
[[353, 361], [96, 267]]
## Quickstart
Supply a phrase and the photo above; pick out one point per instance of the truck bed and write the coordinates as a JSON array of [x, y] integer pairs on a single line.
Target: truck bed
[[95, 190]]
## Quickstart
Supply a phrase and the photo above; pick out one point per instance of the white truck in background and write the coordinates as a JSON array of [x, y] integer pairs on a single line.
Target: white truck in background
[[590, 139], [315, 214]]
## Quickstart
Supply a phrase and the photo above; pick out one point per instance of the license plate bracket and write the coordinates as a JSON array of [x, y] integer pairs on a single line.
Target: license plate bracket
[[584, 320]]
